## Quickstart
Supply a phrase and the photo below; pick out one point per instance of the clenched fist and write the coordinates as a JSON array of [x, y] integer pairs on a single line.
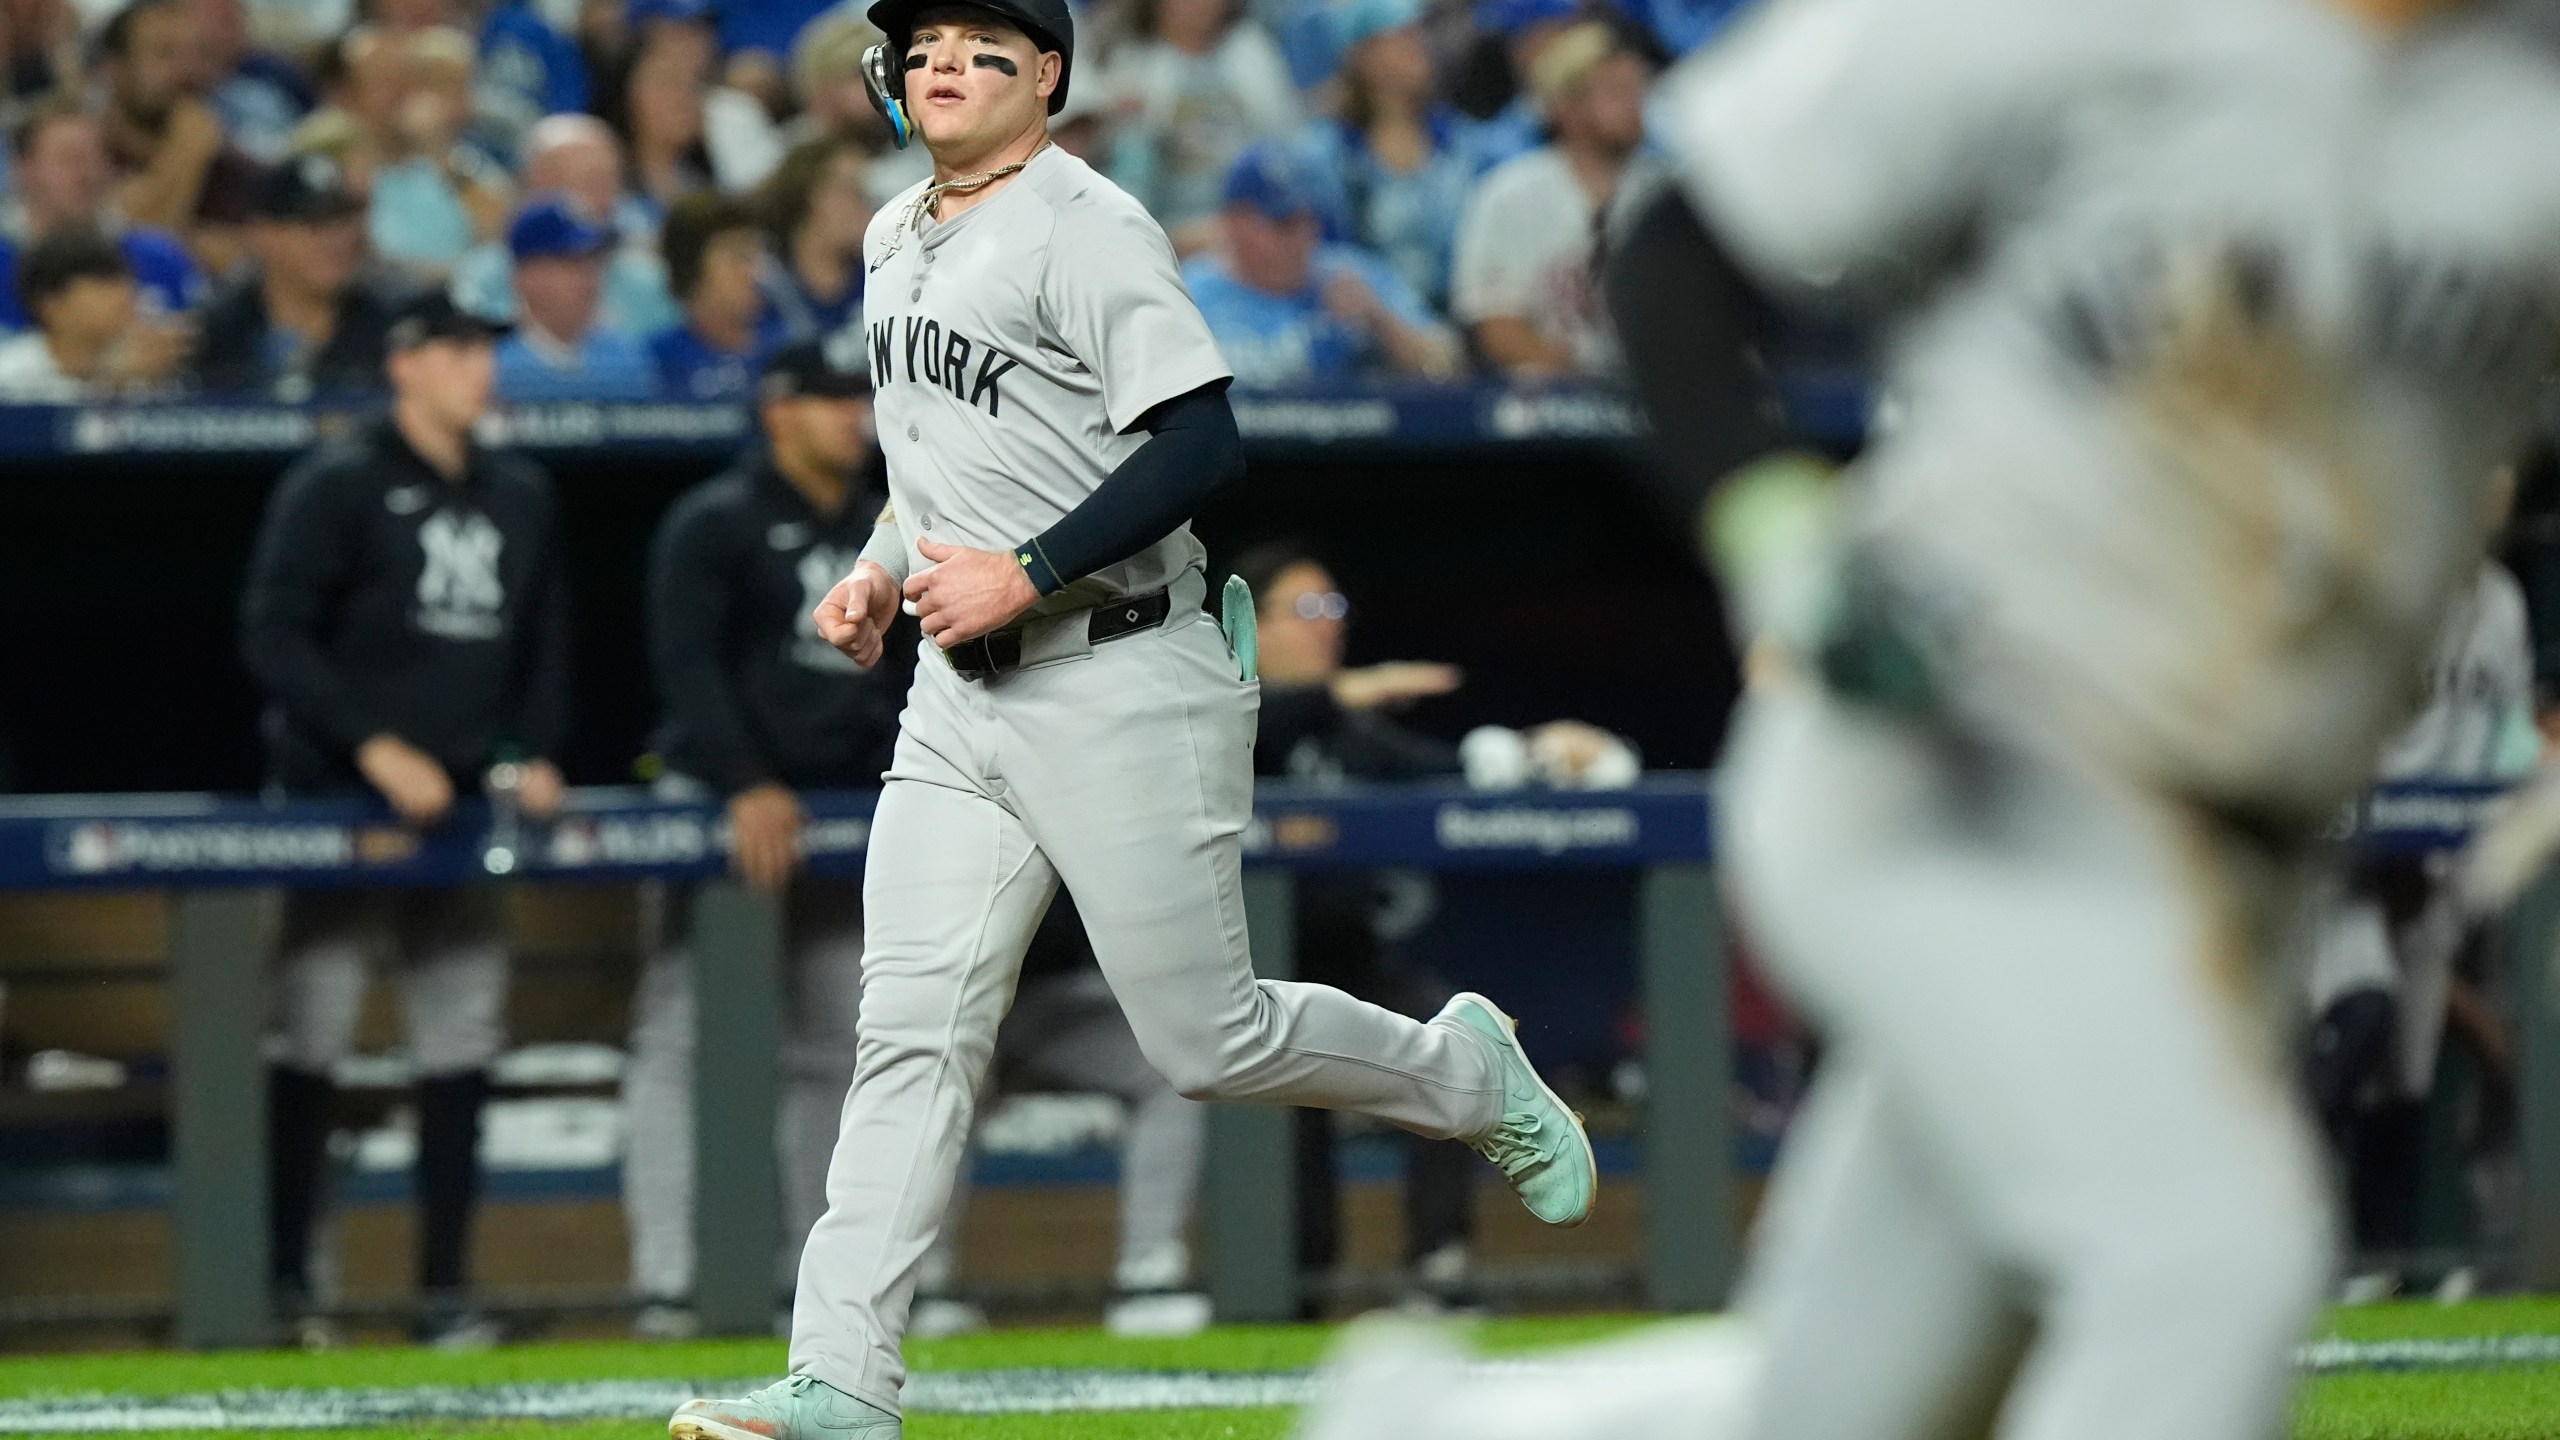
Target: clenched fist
[[856, 614]]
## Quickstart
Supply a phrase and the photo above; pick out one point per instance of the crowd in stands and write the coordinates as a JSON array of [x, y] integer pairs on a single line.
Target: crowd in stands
[[231, 196]]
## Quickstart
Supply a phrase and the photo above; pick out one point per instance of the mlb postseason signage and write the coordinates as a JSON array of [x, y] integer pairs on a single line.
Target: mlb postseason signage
[[256, 428], [1381, 415], [194, 841], [197, 841]]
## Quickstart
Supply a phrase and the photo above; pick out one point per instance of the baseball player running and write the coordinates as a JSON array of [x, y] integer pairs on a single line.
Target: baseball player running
[[1053, 411], [2214, 318]]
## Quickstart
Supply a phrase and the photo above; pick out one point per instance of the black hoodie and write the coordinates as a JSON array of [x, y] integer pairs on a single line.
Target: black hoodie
[[384, 598], [751, 694]]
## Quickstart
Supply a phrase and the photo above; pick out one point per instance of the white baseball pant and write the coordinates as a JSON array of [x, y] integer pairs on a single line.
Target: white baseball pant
[[1066, 1031], [2051, 1175], [2055, 1094], [1124, 770]]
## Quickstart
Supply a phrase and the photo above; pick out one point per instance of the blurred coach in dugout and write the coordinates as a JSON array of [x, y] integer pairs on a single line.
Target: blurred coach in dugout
[[758, 709], [406, 615]]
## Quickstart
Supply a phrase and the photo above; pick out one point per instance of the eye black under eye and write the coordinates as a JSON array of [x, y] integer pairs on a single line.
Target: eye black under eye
[[998, 63], [915, 60]]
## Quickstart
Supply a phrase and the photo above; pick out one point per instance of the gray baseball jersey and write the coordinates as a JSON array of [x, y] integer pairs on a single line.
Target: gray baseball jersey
[[2226, 310], [1014, 348]]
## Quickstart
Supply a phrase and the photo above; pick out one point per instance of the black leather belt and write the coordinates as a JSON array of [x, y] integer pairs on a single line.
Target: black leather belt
[[990, 655]]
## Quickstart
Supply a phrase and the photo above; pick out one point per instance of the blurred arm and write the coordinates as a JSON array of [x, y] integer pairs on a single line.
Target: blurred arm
[[296, 574], [1695, 327], [689, 605]]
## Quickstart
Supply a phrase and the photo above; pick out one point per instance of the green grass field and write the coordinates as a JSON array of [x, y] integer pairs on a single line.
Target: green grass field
[[2513, 1402]]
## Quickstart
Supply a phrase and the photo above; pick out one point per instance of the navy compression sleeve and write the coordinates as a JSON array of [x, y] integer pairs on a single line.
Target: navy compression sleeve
[[1192, 453], [1695, 328]]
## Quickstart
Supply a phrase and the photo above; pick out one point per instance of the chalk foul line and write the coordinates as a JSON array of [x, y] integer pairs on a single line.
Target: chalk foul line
[[962, 1392]]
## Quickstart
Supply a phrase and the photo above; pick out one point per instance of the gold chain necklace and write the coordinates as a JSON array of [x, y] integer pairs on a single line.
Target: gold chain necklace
[[956, 185]]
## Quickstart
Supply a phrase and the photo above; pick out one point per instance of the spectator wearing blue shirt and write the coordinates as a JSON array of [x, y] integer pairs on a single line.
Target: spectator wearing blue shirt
[[1287, 308], [64, 178], [259, 94], [816, 208], [527, 70], [578, 156], [559, 351], [1398, 162], [714, 251]]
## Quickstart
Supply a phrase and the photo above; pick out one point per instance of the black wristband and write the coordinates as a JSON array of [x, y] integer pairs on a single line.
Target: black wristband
[[1035, 564]]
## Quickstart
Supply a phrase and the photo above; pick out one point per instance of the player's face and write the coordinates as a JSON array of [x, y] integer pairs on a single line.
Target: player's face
[[975, 83], [449, 380], [824, 434]]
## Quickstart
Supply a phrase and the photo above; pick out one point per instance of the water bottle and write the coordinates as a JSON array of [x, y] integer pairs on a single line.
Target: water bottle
[[504, 848]]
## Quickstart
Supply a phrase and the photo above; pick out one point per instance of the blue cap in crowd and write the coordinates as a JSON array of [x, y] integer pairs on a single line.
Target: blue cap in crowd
[[1510, 17], [553, 225], [1357, 20], [1268, 179], [641, 12]]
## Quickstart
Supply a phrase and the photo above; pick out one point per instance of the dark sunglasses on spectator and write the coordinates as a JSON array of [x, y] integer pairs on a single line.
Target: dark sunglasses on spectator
[[1329, 605]]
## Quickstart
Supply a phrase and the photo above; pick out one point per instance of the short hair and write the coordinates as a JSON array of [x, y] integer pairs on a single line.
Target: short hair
[[1262, 566], [692, 223], [52, 110], [71, 253], [115, 41], [793, 187]]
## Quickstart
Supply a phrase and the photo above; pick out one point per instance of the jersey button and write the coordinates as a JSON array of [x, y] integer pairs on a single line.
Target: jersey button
[[915, 294], [911, 432], [928, 257]]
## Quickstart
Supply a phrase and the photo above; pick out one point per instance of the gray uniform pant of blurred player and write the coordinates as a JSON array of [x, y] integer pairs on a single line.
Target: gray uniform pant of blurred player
[[822, 966], [1124, 770], [2054, 1092], [1066, 1032], [446, 948]]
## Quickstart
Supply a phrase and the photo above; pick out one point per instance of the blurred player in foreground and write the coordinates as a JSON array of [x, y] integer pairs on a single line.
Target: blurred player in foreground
[[2214, 319]]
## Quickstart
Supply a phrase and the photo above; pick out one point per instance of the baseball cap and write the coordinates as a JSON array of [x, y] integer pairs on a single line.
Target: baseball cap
[[834, 368], [433, 315], [554, 225], [1357, 20], [1510, 17], [1268, 179], [1049, 23], [306, 189]]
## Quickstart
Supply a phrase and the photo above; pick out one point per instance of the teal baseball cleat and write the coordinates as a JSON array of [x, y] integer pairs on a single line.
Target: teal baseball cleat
[[803, 1407], [1540, 1145]]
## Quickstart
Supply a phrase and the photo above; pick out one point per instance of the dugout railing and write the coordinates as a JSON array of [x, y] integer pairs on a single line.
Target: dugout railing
[[218, 857]]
